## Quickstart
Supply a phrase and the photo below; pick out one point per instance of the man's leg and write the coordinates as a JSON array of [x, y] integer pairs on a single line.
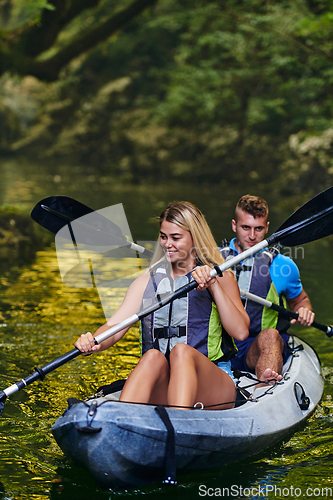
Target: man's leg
[[265, 355]]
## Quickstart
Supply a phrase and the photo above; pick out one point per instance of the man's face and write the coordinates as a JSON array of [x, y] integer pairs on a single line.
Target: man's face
[[249, 230]]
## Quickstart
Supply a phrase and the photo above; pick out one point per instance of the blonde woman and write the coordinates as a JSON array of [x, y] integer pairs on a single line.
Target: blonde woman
[[187, 345]]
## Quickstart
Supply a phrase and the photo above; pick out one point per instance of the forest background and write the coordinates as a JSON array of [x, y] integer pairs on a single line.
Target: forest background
[[153, 90]]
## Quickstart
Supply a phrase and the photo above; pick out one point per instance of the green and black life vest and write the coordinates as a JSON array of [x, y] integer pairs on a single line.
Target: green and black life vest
[[192, 319], [253, 275]]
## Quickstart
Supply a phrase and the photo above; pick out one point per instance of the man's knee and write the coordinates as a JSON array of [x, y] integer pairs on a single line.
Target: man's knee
[[268, 338]]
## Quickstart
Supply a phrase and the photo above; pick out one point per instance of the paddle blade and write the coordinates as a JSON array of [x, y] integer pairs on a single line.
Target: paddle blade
[[312, 221], [2, 401], [55, 212], [89, 254], [60, 212]]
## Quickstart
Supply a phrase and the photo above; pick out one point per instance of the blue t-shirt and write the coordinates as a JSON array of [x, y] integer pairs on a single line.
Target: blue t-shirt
[[284, 274]]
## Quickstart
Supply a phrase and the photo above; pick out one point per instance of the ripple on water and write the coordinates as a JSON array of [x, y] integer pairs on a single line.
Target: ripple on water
[[37, 329]]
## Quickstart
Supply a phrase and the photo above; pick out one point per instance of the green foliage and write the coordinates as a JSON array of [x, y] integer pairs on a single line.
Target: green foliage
[[14, 13], [204, 89]]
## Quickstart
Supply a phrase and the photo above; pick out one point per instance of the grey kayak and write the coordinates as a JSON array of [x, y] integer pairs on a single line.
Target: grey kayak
[[126, 445]]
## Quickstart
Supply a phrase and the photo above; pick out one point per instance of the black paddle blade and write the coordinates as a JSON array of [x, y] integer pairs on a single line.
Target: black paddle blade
[[55, 212], [91, 227], [312, 221], [2, 401]]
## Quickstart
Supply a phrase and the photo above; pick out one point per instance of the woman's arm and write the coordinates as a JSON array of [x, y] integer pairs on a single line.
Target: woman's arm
[[226, 296], [130, 305]]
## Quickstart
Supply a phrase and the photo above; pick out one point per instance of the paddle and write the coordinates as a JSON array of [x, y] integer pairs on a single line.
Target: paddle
[[285, 312], [56, 212], [315, 225]]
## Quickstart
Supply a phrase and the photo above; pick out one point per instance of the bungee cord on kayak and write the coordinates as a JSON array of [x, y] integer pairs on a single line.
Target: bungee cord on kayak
[[216, 437]]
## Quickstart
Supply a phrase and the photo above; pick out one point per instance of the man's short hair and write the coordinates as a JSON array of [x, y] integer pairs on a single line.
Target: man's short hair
[[253, 205]]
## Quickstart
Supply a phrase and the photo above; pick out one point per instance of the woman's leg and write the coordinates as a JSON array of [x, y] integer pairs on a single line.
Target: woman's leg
[[194, 378], [148, 382]]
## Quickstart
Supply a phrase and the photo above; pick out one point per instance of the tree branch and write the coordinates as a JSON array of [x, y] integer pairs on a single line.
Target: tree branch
[[40, 37], [49, 69]]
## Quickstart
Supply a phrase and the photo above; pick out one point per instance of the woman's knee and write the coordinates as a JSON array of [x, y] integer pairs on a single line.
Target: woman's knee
[[153, 358], [180, 352]]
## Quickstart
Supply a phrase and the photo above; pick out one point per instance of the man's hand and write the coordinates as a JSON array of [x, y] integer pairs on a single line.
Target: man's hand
[[302, 306]]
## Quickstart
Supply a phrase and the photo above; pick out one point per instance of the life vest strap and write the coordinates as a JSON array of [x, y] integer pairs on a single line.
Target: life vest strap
[[167, 332]]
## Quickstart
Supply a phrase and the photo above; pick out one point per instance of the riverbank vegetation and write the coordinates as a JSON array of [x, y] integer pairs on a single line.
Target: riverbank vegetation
[[172, 89]]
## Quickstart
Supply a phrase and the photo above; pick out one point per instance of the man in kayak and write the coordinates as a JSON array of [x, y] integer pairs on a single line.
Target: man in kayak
[[269, 275]]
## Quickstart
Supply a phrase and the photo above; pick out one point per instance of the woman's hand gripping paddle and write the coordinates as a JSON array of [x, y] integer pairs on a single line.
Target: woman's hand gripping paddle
[[312, 221]]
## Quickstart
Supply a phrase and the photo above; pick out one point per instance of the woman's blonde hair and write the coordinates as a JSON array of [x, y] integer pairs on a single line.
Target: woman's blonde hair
[[189, 217]]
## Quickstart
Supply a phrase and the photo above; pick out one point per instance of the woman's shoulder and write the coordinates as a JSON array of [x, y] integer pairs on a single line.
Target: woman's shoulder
[[139, 284]]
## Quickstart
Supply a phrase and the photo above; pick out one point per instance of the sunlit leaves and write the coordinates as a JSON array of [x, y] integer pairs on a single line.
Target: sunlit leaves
[[14, 13]]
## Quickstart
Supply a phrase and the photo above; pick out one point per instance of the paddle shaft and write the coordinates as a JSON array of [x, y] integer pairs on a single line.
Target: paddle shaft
[[315, 222], [310, 222], [40, 373], [285, 312]]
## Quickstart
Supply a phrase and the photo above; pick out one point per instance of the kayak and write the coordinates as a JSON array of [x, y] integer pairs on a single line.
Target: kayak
[[128, 445]]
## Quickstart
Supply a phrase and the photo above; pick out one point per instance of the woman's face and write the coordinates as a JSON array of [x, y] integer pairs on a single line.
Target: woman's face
[[177, 244]]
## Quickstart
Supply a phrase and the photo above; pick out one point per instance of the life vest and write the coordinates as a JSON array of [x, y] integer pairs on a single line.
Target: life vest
[[253, 275], [192, 319]]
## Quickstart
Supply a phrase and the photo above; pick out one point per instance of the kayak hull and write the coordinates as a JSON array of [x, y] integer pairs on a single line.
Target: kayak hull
[[124, 445]]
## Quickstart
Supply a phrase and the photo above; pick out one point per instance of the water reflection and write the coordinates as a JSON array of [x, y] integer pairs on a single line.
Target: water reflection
[[24, 184], [39, 320]]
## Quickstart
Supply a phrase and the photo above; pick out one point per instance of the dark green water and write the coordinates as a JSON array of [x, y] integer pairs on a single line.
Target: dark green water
[[40, 318]]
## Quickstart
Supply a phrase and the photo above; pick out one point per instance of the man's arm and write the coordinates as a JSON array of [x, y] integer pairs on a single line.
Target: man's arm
[[302, 305]]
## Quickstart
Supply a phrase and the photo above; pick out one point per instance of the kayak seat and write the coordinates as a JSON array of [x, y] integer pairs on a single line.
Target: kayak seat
[[116, 386]]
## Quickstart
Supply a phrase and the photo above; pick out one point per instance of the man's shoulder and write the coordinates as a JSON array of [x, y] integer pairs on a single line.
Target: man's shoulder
[[285, 276], [281, 260]]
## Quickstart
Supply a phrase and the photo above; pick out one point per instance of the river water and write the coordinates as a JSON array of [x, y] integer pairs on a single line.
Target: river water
[[40, 318]]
